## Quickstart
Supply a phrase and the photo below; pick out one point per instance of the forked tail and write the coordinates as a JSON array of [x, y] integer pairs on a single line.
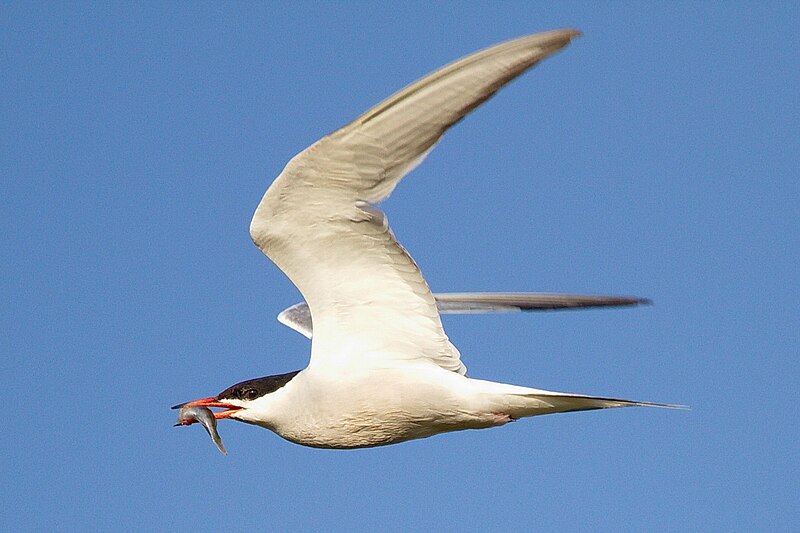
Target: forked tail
[[521, 402], [545, 402]]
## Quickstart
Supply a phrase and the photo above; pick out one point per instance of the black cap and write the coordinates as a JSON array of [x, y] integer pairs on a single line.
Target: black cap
[[256, 388]]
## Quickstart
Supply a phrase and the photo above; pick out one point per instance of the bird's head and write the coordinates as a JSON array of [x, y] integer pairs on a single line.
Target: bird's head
[[243, 401]]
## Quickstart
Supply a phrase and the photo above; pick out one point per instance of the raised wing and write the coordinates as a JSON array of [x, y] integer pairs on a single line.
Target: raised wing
[[298, 316], [316, 222]]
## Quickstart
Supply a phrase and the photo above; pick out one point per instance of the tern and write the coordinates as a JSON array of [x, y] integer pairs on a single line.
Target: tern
[[382, 370]]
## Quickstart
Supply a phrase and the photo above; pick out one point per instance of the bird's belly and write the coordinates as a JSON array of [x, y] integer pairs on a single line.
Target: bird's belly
[[364, 430], [378, 415]]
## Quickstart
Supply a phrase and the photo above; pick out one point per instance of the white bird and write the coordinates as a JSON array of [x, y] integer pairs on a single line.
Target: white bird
[[382, 369]]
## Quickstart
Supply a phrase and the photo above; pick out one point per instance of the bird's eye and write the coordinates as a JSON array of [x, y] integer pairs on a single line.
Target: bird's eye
[[249, 394]]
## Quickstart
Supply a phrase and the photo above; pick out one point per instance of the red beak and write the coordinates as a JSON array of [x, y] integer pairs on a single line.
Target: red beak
[[210, 402]]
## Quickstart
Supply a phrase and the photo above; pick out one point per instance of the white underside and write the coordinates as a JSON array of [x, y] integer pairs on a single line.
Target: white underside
[[388, 405]]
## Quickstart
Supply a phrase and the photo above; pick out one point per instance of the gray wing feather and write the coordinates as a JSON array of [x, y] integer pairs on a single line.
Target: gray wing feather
[[298, 316], [487, 302]]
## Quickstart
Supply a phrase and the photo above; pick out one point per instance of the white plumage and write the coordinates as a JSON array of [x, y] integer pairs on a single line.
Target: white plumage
[[382, 369]]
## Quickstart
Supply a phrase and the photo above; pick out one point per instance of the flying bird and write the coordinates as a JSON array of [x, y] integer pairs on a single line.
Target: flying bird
[[382, 370]]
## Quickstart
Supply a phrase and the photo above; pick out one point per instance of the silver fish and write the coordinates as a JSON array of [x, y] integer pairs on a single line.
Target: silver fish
[[189, 415]]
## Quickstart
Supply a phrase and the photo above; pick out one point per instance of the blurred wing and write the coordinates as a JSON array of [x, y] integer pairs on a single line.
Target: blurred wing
[[316, 222], [298, 316]]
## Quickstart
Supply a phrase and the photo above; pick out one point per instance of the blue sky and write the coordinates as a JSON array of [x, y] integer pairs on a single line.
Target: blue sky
[[657, 156]]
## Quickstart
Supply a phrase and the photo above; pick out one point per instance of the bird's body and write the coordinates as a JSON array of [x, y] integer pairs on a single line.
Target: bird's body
[[383, 406], [372, 408], [382, 369]]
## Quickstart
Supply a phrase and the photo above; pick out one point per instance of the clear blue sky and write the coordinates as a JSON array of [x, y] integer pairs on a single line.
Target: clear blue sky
[[658, 156]]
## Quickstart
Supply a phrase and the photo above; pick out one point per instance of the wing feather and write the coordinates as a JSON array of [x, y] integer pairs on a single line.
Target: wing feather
[[317, 221], [298, 316]]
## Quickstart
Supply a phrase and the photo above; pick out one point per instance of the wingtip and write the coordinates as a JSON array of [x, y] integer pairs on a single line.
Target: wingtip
[[568, 34], [677, 407], [547, 42], [629, 300]]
